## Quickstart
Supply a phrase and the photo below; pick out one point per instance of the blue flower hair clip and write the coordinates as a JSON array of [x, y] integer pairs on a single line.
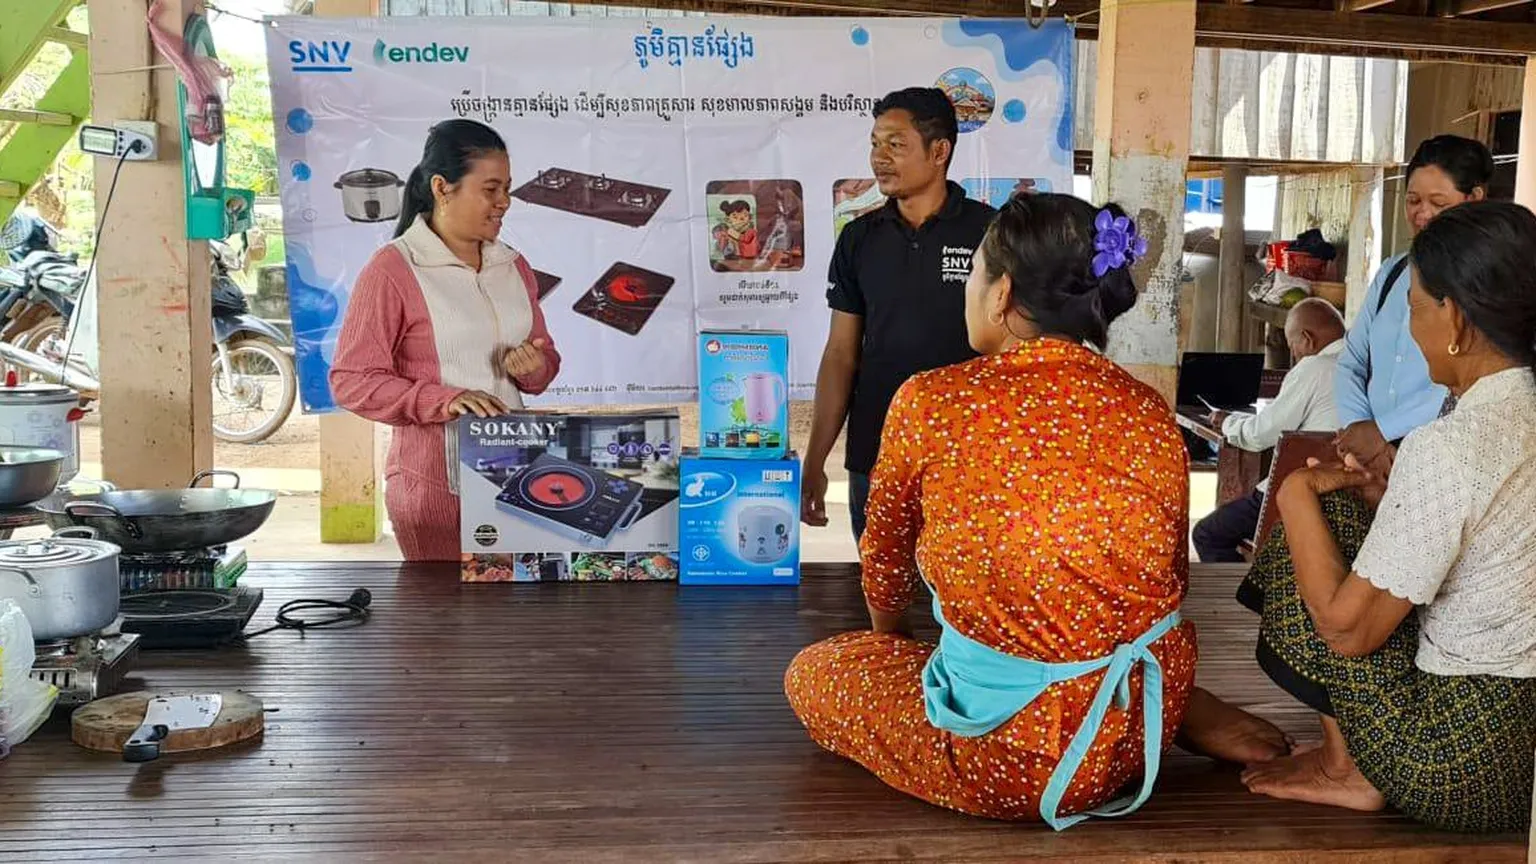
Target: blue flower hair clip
[[1115, 243]]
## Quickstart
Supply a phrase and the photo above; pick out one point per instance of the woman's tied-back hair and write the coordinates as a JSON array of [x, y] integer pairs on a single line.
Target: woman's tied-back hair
[[1479, 255], [1468, 163], [451, 149], [1045, 243]]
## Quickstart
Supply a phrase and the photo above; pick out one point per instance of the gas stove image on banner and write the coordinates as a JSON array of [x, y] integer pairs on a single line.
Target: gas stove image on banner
[[582, 502]]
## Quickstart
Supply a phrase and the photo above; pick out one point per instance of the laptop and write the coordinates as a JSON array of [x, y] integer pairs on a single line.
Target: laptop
[[1228, 380]]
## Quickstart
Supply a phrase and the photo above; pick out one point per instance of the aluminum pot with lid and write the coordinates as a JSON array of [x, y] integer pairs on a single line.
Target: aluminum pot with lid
[[370, 194], [66, 585]]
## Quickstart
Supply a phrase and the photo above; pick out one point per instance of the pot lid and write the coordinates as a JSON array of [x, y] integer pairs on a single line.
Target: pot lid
[[38, 393], [54, 552], [369, 178]]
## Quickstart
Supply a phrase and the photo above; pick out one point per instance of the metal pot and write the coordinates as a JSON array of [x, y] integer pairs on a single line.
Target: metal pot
[[370, 194], [28, 475], [165, 520], [66, 585]]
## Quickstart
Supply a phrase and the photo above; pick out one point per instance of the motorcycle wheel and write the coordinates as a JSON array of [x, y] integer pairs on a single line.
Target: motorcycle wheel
[[269, 393]]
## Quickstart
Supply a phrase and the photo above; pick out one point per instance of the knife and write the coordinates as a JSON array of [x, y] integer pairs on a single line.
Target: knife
[[166, 714]]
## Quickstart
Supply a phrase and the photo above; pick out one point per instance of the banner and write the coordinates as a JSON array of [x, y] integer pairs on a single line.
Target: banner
[[669, 176]]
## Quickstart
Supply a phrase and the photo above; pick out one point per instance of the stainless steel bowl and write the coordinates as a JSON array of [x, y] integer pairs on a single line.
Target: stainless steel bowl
[[28, 475]]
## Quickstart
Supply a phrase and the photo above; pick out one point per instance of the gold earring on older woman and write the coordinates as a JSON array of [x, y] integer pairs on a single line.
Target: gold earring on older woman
[[1454, 349]]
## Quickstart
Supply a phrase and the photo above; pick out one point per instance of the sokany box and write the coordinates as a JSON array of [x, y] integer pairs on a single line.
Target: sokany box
[[588, 497], [743, 394], [740, 521]]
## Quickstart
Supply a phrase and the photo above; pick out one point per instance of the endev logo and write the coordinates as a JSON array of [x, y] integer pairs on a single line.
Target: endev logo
[[430, 53]]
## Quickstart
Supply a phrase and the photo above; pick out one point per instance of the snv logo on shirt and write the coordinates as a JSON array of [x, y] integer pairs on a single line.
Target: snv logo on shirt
[[429, 53], [955, 263]]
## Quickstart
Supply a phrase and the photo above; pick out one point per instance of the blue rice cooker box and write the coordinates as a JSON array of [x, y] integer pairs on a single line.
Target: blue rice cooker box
[[739, 522], [743, 394]]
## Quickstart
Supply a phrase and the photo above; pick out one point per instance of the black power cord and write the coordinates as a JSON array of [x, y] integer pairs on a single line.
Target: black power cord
[[351, 612]]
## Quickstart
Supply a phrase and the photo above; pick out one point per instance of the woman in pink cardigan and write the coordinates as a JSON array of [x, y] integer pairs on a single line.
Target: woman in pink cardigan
[[443, 321]]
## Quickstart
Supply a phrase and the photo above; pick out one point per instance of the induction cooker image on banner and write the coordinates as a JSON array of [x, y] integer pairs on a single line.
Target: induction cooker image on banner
[[625, 297], [370, 195], [598, 196], [546, 282], [572, 498]]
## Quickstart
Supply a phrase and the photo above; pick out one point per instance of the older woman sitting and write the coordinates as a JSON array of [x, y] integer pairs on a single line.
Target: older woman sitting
[[1413, 633], [1041, 492]]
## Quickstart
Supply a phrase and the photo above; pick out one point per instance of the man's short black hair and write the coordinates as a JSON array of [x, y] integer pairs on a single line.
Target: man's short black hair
[[932, 113]]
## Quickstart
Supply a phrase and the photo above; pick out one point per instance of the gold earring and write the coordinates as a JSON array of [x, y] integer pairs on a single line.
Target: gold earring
[[995, 319], [1454, 349]]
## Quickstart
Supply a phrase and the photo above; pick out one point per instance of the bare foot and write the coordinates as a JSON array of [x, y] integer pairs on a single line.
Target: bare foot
[[1315, 778], [1221, 731]]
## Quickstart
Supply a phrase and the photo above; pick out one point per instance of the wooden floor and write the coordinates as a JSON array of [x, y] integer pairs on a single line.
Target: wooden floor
[[600, 723]]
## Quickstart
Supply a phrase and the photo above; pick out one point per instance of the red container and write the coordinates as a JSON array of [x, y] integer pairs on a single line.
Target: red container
[[1304, 266], [1276, 257]]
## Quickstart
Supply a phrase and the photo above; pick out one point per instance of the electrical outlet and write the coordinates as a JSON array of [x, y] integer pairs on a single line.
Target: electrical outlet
[[132, 140]]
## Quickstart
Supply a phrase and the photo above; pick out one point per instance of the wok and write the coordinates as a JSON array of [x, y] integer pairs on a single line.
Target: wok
[[171, 520]]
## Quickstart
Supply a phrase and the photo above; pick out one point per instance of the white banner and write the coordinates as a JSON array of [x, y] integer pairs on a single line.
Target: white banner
[[669, 176]]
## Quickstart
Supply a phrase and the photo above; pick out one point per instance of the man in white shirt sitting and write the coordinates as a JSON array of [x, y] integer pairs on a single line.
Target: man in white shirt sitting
[[1315, 332]]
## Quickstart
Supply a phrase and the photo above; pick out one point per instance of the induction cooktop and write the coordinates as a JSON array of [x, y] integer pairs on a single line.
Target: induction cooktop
[[624, 297], [572, 498], [546, 282], [598, 196]]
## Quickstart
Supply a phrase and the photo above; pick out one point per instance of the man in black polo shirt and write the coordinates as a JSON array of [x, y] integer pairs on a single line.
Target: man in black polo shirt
[[897, 290]]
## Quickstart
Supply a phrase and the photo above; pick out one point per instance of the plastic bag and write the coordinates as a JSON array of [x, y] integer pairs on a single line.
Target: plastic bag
[[24, 702]]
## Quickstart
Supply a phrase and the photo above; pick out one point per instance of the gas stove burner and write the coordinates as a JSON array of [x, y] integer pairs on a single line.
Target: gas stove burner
[[161, 605], [599, 183], [624, 297], [636, 198], [557, 488], [573, 499], [86, 668], [553, 178]]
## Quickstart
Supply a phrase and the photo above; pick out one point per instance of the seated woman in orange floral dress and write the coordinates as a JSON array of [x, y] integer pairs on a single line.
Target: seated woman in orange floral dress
[[1042, 494]]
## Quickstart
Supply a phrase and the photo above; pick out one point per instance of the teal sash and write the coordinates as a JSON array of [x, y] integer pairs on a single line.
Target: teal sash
[[970, 689]]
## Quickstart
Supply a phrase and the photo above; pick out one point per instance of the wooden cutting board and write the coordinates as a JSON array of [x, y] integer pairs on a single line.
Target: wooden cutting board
[[106, 723]]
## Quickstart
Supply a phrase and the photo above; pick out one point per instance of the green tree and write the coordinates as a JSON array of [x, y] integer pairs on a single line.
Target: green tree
[[249, 152]]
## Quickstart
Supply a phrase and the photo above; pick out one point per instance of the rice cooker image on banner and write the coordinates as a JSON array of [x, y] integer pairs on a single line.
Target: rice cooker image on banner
[[763, 536], [370, 195]]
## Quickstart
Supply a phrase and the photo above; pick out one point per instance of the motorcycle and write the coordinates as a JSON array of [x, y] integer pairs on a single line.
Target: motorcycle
[[254, 381], [253, 374]]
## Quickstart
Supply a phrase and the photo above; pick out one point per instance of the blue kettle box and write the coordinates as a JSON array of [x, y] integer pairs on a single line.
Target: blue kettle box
[[739, 521], [743, 394]]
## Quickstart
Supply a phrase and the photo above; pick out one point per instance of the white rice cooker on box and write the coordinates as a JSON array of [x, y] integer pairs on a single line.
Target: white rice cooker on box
[[738, 521], [43, 415]]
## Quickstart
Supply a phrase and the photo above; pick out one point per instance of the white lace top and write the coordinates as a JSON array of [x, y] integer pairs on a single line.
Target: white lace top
[[1456, 532]]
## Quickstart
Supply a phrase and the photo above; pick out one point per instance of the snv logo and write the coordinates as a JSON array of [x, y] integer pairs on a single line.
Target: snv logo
[[328, 56], [430, 53]]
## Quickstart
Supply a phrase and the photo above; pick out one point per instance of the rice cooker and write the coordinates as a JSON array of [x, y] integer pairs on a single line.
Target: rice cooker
[[43, 415], [763, 533], [370, 194]]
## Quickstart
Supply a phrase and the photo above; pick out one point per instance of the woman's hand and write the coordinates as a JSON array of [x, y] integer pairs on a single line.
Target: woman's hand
[[882, 621], [526, 360], [1320, 479], [1363, 440], [476, 402]]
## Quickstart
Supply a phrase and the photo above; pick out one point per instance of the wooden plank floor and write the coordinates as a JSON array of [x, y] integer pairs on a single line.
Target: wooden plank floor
[[601, 723]]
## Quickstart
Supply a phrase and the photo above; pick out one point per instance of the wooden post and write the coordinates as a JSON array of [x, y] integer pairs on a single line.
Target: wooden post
[[351, 497], [1364, 246], [1233, 293], [1525, 169], [153, 294], [1141, 128]]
